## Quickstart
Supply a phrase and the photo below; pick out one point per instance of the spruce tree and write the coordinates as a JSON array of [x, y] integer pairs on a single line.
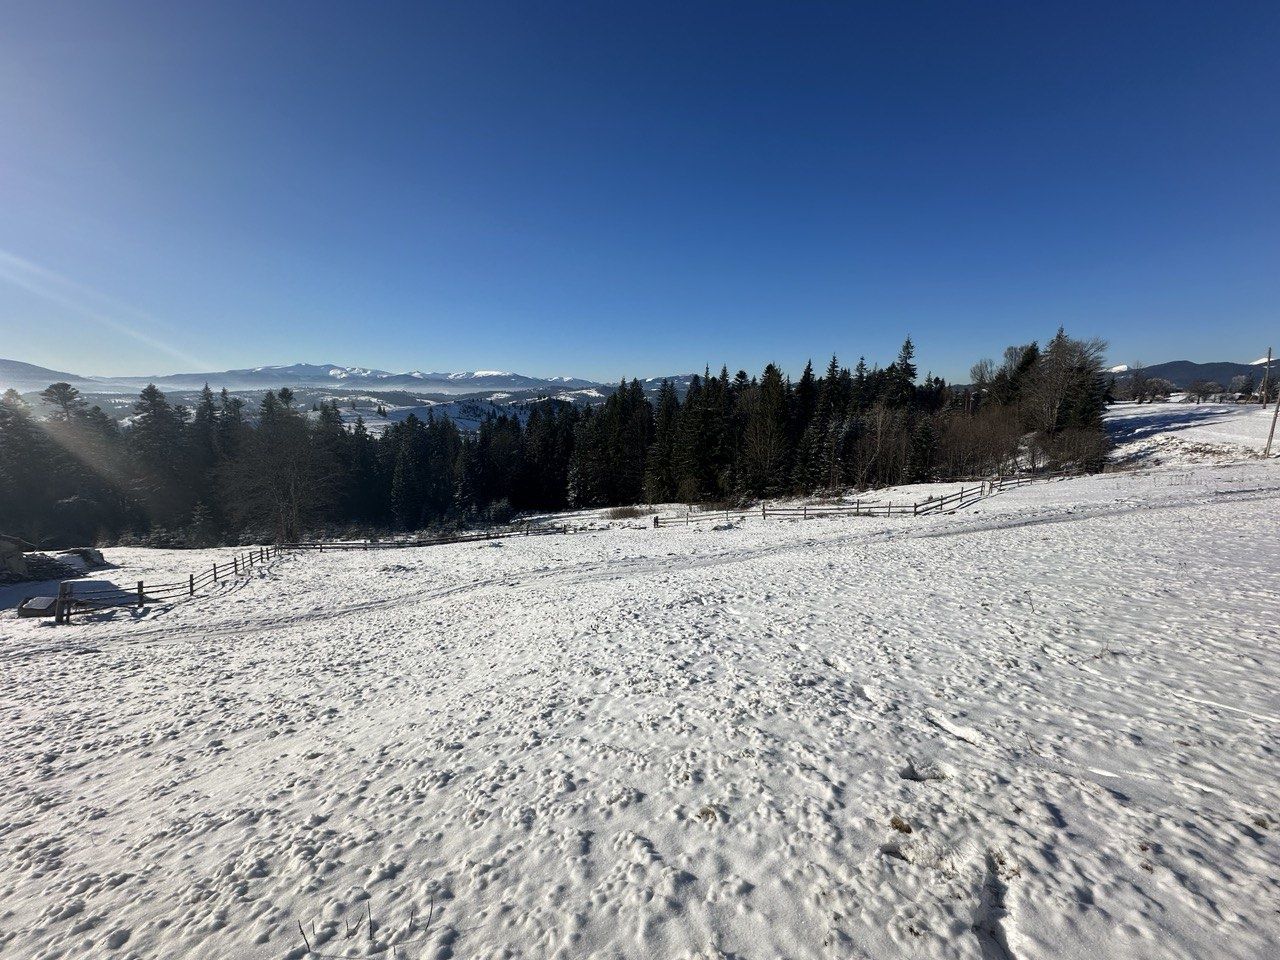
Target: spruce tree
[[156, 443], [406, 502], [659, 479]]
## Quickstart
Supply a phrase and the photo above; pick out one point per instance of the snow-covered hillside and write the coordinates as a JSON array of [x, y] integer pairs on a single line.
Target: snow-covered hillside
[[1045, 726], [467, 414]]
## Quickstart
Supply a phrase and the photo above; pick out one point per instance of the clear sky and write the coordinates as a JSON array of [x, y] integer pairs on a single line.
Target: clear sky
[[605, 189]]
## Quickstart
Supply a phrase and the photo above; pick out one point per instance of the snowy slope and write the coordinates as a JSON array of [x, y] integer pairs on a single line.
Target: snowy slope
[[1184, 432], [1043, 727]]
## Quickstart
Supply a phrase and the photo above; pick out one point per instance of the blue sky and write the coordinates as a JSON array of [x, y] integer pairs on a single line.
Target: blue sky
[[606, 189]]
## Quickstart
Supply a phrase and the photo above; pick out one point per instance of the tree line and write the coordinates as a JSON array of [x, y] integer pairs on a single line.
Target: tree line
[[1140, 387], [219, 472]]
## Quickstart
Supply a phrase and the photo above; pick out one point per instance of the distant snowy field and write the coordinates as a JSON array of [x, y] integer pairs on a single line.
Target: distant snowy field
[[1045, 726], [1166, 432]]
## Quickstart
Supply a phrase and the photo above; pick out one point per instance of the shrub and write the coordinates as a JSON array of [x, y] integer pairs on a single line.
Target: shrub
[[626, 513]]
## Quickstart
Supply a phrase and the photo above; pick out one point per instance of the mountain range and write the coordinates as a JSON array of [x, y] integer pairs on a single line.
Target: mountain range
[[25, 376], [1183, 373], [496, 384], [379, 397]]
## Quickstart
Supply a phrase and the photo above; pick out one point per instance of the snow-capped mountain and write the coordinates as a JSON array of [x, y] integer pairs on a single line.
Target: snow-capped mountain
[[295, 375], [1183, 373], [464, 396]]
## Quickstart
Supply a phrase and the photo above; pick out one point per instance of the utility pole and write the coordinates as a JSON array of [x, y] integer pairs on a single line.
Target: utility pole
[[1266, 381], [1271, 436]]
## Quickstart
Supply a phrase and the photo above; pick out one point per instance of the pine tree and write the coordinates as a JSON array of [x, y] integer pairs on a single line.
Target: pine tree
[[692, 465], [766, 452], [466, 494], [65, 400], [806, 401], [406, 500], [660, 477], [900, 380], [281, 479], [26, 472], [156, 442]]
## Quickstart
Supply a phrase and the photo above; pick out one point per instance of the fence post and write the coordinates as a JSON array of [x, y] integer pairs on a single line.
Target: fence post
[[191, 584], [235, 564], [804, 512], [142, 597], [215, 573]]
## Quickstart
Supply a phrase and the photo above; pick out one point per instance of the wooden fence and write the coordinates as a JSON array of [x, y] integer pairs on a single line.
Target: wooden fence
[[71, 600], [869, 508], [320, 546]]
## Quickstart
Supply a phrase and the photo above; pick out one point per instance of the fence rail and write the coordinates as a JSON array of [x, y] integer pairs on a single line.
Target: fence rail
[[70, 600], [870, 508], [73, 598]]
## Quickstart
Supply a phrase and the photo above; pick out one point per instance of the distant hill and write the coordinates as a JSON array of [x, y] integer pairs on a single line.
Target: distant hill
[[498, 385], [330, 375], [24, 377], [466, 397], [1183, 373]]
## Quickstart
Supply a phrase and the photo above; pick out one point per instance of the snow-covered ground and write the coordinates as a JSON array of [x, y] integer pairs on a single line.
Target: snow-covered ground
[[1045, 726], [1184, 432]]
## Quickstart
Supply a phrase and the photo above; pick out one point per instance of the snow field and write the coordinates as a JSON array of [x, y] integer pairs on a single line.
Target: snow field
[[1189, 432], [1044, 726]]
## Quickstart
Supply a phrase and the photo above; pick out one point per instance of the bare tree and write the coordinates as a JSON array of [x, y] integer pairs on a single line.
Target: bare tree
[[1066, 366], [1202, 390], [982, 373], [1241, 386], [1138, 383]]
